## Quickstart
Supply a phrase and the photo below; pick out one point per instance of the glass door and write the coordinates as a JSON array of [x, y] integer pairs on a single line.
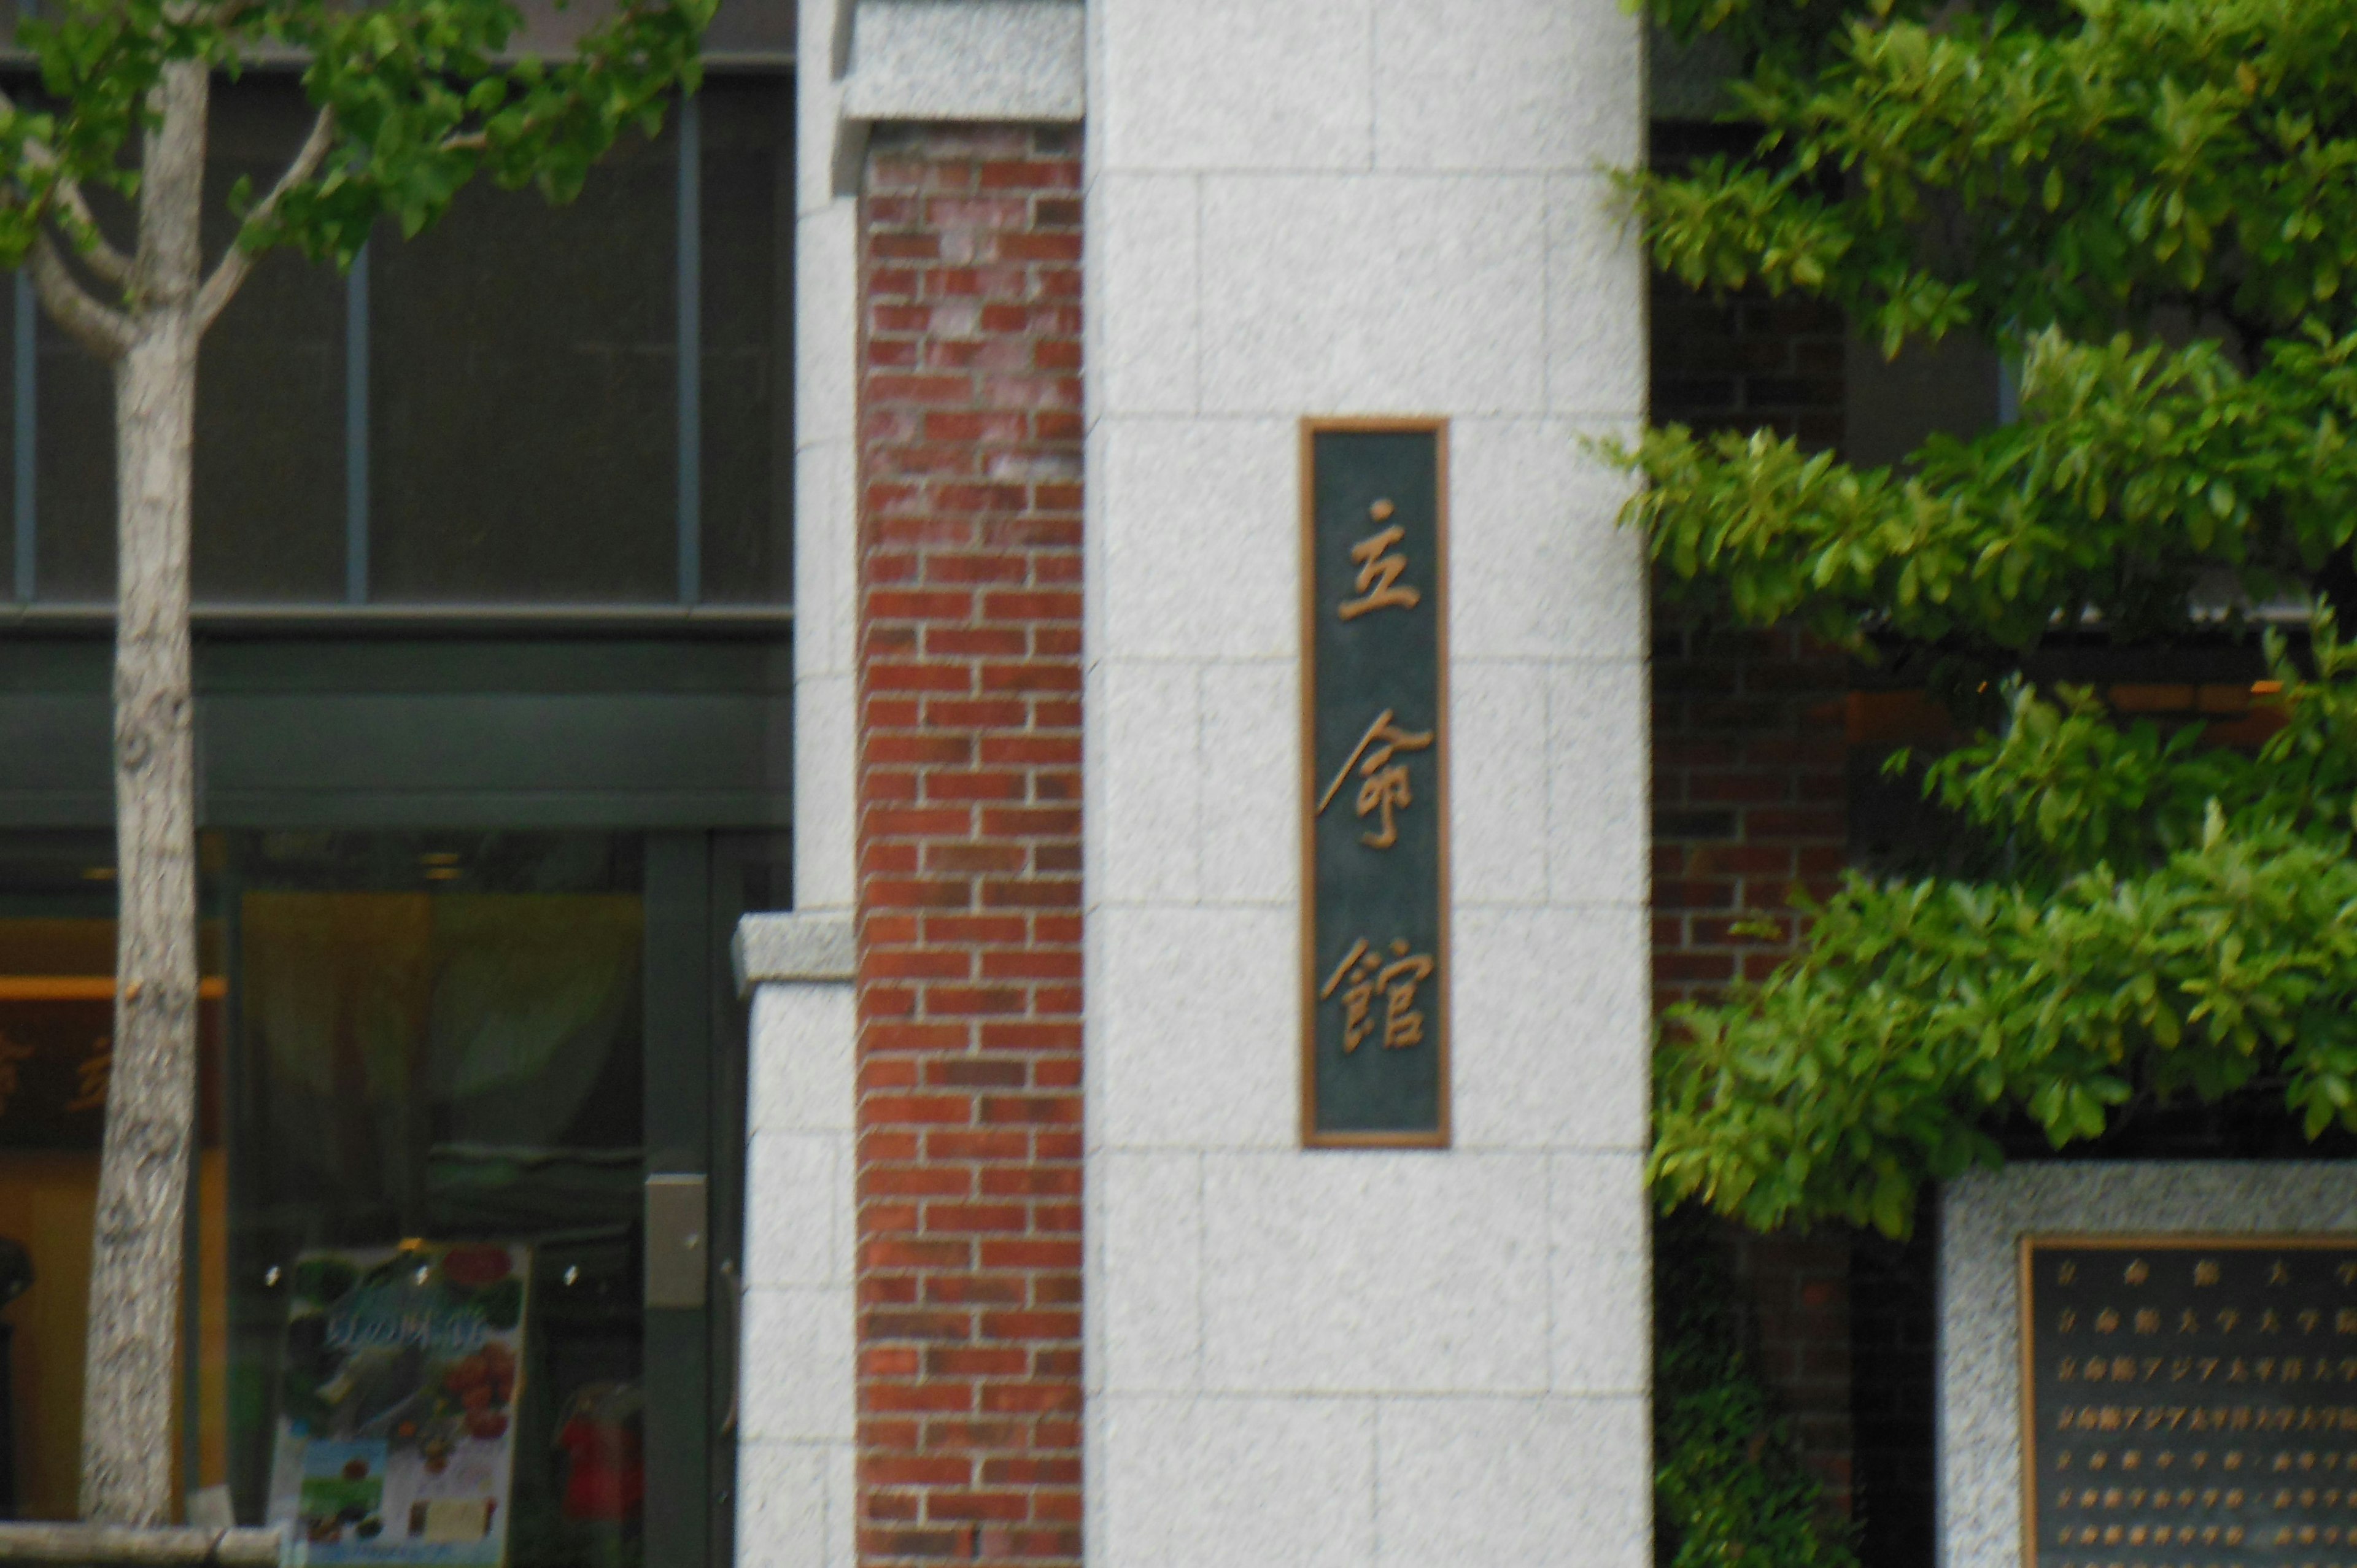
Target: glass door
[[463, 1265]]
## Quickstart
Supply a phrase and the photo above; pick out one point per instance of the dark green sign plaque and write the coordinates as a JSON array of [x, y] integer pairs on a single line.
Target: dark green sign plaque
[[2190, 1401], [1374, 615]]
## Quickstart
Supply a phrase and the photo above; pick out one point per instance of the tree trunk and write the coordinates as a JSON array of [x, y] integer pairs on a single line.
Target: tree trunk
[[136, 1262]]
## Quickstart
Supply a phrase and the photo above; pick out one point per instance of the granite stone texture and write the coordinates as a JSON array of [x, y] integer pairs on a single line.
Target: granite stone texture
[[965, 59], [795, 1498], [1362, 1357], [808, 948], [1981, 1220]]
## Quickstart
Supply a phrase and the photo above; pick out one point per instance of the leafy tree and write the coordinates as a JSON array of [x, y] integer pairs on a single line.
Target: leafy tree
[[2151, 206], [414, 98]]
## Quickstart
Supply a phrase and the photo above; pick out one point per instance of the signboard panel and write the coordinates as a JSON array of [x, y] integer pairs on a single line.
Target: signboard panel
[[2190, 1400], [1375, 974], [396, 1441]]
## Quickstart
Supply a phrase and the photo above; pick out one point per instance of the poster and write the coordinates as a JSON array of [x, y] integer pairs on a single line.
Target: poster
[[396, 1425]]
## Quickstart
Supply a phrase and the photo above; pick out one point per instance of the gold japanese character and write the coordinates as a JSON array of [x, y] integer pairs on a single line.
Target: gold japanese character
[[11, 1053], [1360, 967], [1385, 787], [1402, 1023], [1379, 571], [2147, 1320], [1369, 976], [2205, 1271], [92, 1073]]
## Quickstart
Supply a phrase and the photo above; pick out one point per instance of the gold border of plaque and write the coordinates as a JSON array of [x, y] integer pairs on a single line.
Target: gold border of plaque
[[1435, 425], [2129, 1241]]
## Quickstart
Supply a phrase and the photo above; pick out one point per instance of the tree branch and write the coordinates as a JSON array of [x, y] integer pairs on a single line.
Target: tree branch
[[104, 332], [231, 272], [98, 255]]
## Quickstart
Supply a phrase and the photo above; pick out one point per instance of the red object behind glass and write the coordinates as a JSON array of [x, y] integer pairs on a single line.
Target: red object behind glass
[[603, 1437]]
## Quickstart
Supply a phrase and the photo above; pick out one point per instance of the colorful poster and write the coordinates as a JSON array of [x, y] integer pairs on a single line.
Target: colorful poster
[[396, 1429]]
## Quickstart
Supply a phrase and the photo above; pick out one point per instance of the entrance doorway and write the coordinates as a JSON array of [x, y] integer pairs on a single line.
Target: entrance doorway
[[486, 1082]]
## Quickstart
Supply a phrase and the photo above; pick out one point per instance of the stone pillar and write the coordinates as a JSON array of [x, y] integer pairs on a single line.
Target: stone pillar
[[1345, 1357]]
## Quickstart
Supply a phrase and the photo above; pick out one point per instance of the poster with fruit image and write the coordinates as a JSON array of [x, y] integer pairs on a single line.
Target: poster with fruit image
[[396, 1430]]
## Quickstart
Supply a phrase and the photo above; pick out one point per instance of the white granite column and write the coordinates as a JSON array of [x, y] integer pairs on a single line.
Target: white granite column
[[795, 1388], [1362, 207]]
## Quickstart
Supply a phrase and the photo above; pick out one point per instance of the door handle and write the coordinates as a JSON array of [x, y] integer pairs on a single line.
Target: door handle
[[732, 1296], [678, 1243]]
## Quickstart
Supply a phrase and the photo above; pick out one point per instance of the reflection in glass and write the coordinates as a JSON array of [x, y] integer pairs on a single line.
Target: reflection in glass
[[56, 988], [439, 1041]]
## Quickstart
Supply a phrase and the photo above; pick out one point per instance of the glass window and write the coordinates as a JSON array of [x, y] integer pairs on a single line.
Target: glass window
[[270, 399], [438, 1058], [73, 467], [747, 290], [523, 402], [56, 989], [520, 412]]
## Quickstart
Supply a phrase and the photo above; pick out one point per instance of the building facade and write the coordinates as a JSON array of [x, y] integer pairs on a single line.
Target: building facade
[[1071, 279], [830, 850]]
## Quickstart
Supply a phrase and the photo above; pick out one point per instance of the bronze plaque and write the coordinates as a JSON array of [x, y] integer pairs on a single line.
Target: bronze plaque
[[1375, 775], [2190, 1401]]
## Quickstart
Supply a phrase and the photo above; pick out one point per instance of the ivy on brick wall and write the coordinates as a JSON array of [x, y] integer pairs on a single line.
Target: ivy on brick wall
[[2151, 208], [1729, 1486]]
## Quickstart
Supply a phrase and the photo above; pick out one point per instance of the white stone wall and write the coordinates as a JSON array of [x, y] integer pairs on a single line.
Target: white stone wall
[[795, 1503], [1336, 207], [1983, 1219]]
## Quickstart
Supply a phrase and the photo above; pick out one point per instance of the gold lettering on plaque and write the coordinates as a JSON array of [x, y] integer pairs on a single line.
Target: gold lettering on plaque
[[1385, 788], [2205, 1271], [1379, 571], [1396, 982]]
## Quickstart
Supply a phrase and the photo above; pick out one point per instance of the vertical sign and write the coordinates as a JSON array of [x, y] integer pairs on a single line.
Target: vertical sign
[[1374, 783]]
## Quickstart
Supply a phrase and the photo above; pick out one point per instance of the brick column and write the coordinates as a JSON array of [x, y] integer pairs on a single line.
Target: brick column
[[1751, 804], [969, 845]]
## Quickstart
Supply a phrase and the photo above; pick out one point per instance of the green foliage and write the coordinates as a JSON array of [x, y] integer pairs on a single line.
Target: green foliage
[[2153, 204], [1728, 1488], [423, 94]]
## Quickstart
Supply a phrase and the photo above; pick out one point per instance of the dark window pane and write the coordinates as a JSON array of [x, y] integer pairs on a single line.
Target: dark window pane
[[523, 395], [756, 28], [74, 471], [9, 436], [747, 372], [270, 385]]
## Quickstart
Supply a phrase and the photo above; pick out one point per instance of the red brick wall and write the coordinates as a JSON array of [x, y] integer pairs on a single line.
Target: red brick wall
[[969, 841], [1749, 796]]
